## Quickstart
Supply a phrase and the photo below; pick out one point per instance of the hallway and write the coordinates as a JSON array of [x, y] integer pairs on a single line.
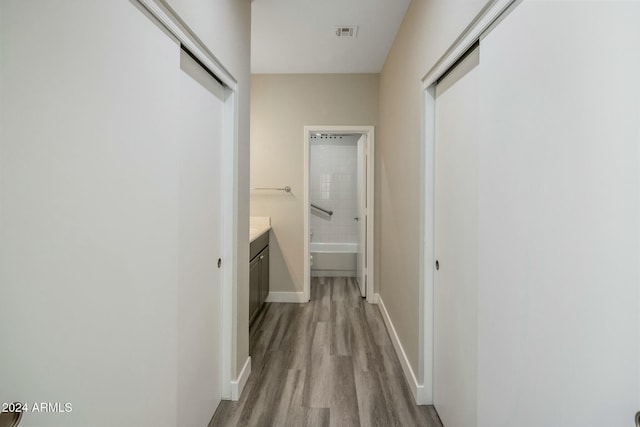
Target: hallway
[[326, 363]]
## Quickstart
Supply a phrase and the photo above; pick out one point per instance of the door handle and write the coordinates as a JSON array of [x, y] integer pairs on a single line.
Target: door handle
[[356, 218], [437, 265]]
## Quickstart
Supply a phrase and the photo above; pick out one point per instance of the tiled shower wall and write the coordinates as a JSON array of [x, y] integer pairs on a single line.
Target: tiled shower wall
[[334, 186]]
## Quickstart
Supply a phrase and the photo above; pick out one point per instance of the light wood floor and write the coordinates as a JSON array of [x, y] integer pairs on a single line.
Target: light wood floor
[[326, 363]]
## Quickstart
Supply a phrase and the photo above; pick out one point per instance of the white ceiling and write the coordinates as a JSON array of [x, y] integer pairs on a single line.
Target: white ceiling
[[298, 36]]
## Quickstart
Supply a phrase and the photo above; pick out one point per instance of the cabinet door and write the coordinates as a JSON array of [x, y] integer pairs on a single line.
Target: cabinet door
[[264, 270], [255, 276]]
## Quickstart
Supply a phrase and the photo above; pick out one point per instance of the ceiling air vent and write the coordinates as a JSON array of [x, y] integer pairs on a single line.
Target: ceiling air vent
[[347, 31]]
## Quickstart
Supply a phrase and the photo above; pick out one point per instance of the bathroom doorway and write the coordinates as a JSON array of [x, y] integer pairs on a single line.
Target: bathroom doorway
[[338, 200]]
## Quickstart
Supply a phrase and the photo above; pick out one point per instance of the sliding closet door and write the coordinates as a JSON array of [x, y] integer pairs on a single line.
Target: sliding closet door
[[200, 137], [455, 320], [558, 217], [88, 213]]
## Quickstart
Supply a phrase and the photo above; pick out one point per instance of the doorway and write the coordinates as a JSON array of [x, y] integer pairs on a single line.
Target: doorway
[[338, 200]]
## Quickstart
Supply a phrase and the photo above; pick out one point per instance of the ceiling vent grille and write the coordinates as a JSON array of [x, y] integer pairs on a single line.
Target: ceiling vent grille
[[350, 31]]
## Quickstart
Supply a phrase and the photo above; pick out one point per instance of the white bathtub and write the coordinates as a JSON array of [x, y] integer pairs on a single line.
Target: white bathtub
[[333, 259]]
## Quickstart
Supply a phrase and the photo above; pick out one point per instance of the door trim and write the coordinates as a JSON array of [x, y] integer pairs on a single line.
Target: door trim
[[172, 23], [488, 17], [369, 131]]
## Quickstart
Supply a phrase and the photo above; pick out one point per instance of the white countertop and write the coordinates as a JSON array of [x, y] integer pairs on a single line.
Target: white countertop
[[258, 225]]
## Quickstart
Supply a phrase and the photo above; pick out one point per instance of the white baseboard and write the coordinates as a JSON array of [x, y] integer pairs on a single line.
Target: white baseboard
[[373, 299], [333, 273], [238, 385], [422, 396], [296, 297], [418, 390]]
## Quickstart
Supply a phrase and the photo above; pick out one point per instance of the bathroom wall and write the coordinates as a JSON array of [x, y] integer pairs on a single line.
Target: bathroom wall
[[281, 105], [334, 186], [428, 29]]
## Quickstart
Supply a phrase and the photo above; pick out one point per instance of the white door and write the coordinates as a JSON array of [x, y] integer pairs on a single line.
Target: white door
[[455, 337], [361, 272], [537, 222], [559, 288], [201, 112]]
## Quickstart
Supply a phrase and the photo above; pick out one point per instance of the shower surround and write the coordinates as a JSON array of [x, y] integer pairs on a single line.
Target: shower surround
[[334, 186]]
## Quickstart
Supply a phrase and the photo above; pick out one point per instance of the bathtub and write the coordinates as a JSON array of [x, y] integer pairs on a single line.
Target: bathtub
[[333, 259]]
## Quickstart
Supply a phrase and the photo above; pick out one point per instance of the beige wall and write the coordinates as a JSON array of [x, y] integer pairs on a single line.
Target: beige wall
[[225, 28], [281, 105], [428, 29]]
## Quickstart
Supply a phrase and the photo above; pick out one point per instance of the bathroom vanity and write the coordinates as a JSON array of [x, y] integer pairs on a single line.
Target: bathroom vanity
[[258, 264]]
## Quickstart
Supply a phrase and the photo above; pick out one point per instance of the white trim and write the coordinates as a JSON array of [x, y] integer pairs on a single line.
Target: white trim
[[427, 249], [229, 270], [172, 22], [369, 131], [160, 11], [333, 273], [474, 32], [375, 299], [295, 297], [238, 385], [417, 390], [479, 27], [371, 194], [306, 251]]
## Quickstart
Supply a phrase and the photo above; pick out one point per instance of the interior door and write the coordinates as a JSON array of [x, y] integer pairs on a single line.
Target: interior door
[[361, 270], [455, 336], [201, 113], [558, 243]]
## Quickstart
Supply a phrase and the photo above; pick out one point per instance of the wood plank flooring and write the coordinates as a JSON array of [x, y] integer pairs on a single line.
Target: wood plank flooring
[[326, 363]]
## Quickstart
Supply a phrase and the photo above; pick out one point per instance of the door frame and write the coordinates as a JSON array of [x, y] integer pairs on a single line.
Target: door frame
[[369, 131], [488, 17], [230, 387]]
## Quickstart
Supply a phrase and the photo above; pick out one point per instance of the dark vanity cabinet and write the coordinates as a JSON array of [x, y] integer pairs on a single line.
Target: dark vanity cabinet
[[258, 274]]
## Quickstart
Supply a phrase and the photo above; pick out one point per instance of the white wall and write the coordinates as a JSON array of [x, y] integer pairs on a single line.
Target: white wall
[[281, 105], [428, 29], [334, 186], [89, 207], [88, 221], [558, 292], [559, 216]]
